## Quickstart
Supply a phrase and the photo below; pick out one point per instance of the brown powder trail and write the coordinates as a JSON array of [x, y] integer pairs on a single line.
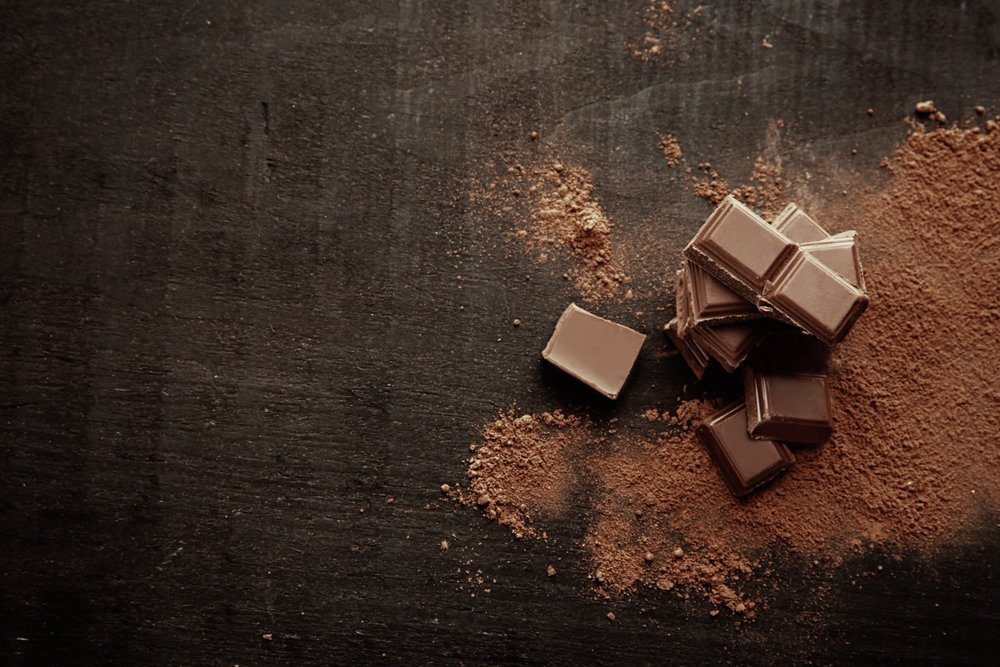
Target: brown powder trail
[[917, 409], [524, 469], [557, 214]]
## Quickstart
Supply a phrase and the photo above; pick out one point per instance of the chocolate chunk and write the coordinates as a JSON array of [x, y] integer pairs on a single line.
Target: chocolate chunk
[[596, 351], [740, 249], [809, 295], [840, 254], [788, 407], [744, 463], [729, 344], [695, 357], [796, 224], [710, 301]]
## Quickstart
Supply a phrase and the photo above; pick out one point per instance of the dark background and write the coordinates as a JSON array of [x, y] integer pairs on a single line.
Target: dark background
[[231, 240]]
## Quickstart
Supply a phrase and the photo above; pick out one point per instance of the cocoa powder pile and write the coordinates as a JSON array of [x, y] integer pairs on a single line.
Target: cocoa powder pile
[[560, 218], [916, 401]]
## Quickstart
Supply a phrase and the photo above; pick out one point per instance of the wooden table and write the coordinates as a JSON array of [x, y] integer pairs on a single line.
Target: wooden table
[[232, 240]]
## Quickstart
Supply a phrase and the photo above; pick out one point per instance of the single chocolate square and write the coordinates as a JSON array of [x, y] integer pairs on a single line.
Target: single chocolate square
[[796, 224], [791, 407], [740, 249], [710, 301], [729, 344], [840, 254], [695, 357], [596, 351], [811, 296], [744, 463]]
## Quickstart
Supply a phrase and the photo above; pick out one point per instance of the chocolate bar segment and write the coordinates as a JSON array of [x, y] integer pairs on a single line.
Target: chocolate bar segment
[[740, 249], [695, 357], [796, 224], [840, 254], [710, 301], [744, 463], [791, 407], [729, 344], [811, 296], [596, 351]]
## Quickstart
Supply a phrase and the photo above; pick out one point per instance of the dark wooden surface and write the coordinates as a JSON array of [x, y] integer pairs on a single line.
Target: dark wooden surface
[[231, 235]]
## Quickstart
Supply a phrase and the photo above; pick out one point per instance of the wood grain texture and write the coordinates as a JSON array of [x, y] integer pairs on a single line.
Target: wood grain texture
[[232, 234]]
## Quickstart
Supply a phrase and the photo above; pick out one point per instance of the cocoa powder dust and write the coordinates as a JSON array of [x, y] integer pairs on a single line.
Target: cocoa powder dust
[[917, 410]]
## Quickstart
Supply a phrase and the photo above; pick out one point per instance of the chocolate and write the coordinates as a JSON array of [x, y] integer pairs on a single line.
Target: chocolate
[[596, 351], [695, 357], [740, 249], [744, 463], [788, 407], [796, 225], [729, 344], [809, 295], [710, 301], [840, 254]]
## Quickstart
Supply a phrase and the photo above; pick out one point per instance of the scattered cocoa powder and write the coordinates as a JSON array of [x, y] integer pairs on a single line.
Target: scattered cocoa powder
[[524, 469], [558, 215], [667, 24], [765, 193], [916, 401], [671, 150]]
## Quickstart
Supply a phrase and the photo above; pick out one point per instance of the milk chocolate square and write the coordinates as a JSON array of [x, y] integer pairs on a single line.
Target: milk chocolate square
[[840, 254], [790, 407], [744, 463], [596, 351], [740, 249], [811, 296], [798, 226]]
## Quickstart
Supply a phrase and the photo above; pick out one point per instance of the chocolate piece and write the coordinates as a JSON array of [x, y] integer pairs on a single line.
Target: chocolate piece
[[813, 297], [840, 254], [744, 463], [740, 249], [729, 344], [695, 357], [594, 350], [710, 301], [788, 407], [795, 224]]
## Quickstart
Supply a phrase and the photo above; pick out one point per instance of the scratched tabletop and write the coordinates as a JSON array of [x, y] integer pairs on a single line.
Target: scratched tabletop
[[252, 320]]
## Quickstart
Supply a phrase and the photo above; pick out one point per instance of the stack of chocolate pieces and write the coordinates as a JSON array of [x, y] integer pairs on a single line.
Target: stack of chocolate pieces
[[768, 300]]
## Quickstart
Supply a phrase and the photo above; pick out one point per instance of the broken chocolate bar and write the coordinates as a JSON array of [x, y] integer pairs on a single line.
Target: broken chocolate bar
[[840, 254], [809, 295], [790, 407], [795, 224], [744, 463], [740, 249], [695, 357], [596, 351]]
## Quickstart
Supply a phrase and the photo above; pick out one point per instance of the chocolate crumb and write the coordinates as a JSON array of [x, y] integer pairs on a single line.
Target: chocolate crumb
[[611, 616], [980, 109], [516, 323], [445, 488], [925, 108], [551, 571], [444, 545]]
